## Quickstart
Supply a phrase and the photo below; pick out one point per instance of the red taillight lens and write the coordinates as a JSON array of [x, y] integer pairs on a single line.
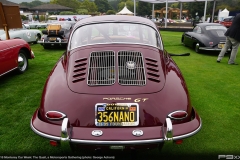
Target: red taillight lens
[[53, 143], [178, 115], [180, 141], [55, 115]]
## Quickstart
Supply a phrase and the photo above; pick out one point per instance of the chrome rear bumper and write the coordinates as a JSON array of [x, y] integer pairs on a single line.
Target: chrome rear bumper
[[166, 133]]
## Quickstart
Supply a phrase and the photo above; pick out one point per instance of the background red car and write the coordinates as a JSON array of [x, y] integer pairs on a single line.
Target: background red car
[[227, 22], [14, 55]]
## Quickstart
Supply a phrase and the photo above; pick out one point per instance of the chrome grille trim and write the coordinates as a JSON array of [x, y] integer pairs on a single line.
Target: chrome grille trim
[[101, 70], [131, 68]]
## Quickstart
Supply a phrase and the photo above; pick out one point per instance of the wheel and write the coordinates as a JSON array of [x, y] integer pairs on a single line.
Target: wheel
[[38, 37], [22, 61], [196, 47]]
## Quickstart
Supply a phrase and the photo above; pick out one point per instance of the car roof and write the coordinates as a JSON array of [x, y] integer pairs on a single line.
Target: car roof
[[115, 18]]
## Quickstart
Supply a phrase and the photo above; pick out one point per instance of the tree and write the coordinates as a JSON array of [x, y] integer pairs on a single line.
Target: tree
[[67, 13], [110, 12], [144, 8], [74, 4], [90, 6], [103, 6], [32, 4], [114, 4]]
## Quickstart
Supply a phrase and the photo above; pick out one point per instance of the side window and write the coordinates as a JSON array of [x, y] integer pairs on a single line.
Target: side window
[[197, 29]]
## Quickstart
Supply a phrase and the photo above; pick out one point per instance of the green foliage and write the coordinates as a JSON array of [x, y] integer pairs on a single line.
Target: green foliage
[[90, 6], [114, 4], [143, 9], [110, 12], [42, 18], [82, 11], [67, 13], [103, 5], [32, 4], [24, 17], [74, 4]]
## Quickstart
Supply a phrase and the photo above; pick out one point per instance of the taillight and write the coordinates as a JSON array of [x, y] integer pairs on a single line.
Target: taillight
[[178, 115], [55, 115]]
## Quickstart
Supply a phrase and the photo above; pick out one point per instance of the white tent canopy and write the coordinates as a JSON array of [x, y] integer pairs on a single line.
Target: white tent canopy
[[125, 11], [223, 14], [177, 1]]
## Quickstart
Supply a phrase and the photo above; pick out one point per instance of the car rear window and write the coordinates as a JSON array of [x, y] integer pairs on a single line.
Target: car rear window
[[216, 27], [114, 33]]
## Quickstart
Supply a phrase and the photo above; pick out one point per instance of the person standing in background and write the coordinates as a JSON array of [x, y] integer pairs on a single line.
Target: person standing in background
[[232, 40]]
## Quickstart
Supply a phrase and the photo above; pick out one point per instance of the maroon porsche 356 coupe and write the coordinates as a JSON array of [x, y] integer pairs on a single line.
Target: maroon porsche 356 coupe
[[115, 87], [14, 55]]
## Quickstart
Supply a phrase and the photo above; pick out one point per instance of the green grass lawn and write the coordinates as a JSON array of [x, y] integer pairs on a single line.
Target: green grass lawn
[[214, 89]]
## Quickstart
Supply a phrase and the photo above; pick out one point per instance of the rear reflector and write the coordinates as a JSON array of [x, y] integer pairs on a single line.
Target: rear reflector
[[53, 143], [180, 141], [55, 115]]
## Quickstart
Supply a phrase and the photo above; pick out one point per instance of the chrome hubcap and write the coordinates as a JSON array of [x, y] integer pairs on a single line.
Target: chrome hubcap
[[22, 62]]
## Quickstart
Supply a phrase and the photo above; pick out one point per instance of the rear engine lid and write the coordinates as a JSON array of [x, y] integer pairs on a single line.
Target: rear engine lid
[[116, 69]]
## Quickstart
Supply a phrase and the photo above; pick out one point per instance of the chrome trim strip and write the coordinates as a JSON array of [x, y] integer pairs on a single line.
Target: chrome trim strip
[[43, 134], [189, 134], [116, 142], [8, 71]]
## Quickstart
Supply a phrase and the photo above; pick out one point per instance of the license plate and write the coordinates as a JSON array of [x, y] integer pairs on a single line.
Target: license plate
[[116, 114], [221, 45], [52, 39]]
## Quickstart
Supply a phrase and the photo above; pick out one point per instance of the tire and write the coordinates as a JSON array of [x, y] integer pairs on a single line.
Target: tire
[[183, 41], [196, 48], [22, 62]]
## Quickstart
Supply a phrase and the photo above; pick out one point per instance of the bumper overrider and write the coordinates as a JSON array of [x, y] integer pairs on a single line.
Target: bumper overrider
[[100, 136]]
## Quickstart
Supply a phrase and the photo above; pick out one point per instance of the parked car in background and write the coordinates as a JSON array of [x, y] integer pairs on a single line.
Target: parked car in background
[[29, 35], [115, 87], [26, 25], [33, 25], [227, 22], [14, 55], [56, 34], [205, 36], [42, 25]]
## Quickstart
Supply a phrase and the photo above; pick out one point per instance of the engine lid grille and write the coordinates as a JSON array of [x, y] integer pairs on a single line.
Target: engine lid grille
[[131, 68], [101, 68]]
